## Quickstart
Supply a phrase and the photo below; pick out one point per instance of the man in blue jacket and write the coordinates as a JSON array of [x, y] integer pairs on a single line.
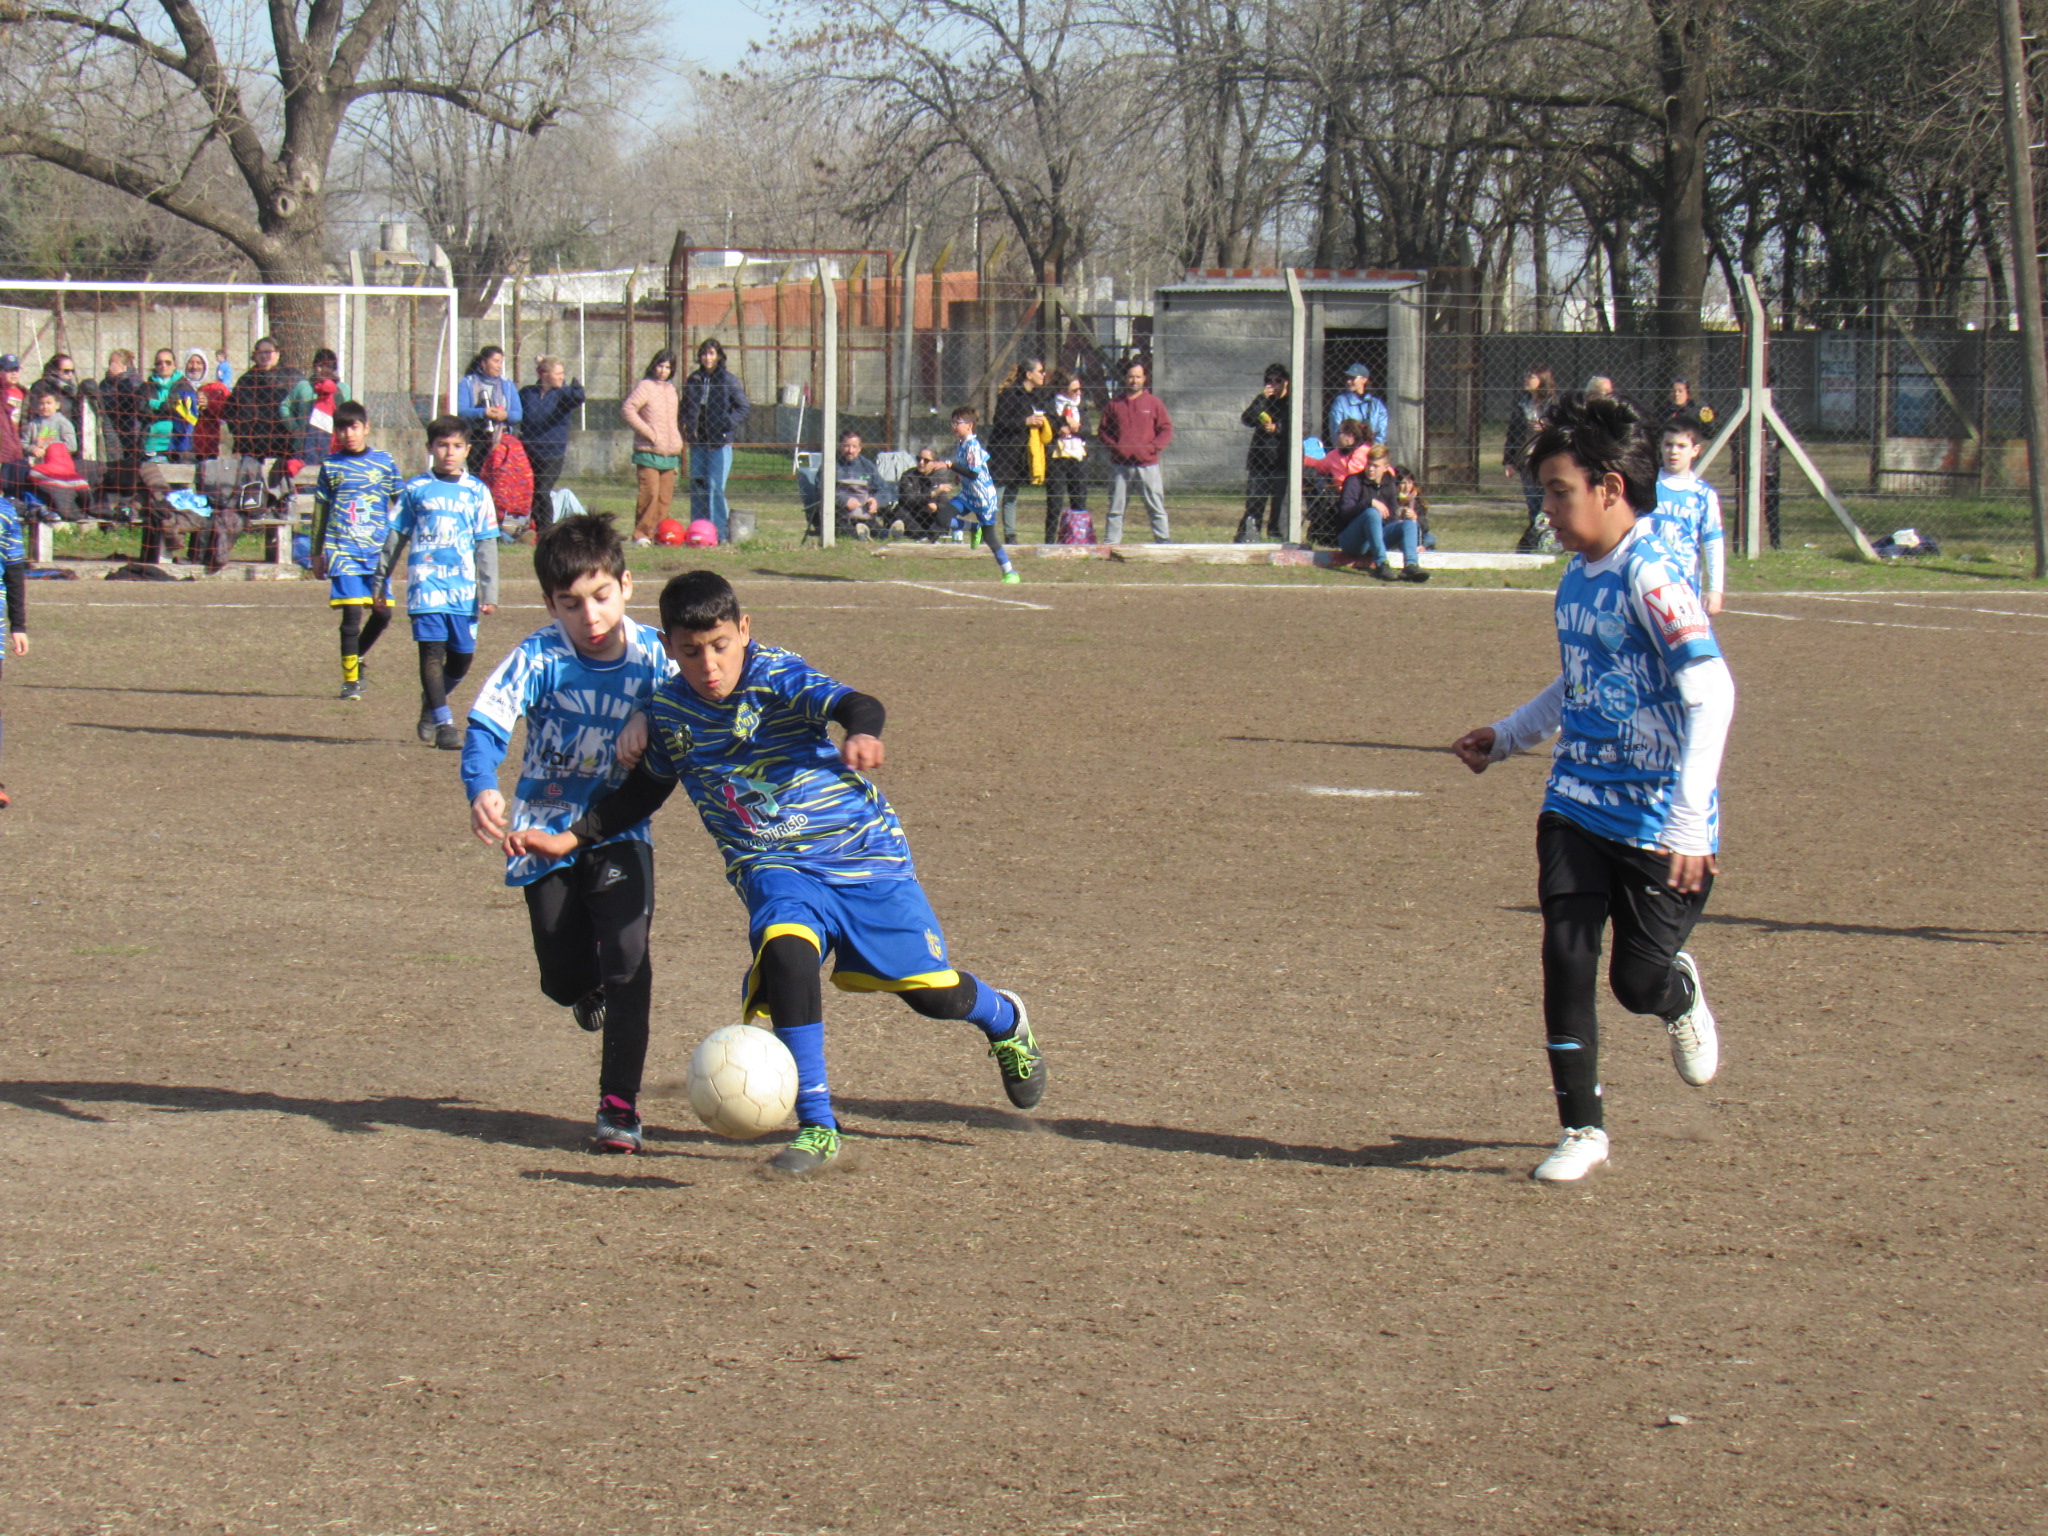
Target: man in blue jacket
[[714, 410], [546, 408]]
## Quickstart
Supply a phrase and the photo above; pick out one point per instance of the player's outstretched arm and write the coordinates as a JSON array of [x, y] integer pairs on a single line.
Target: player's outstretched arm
[[861, 716], [1519, 731]]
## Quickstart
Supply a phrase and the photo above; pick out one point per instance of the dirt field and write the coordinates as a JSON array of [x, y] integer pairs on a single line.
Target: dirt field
[[297, 1234]]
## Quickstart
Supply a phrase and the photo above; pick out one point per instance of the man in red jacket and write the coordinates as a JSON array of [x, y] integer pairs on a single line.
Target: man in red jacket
[[1135, 430]]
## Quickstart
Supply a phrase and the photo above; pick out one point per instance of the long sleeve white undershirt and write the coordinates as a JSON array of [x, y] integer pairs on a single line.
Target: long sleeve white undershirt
[[1708, 689]]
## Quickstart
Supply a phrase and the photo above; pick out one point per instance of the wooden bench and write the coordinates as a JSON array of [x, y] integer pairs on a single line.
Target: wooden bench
[[277, 528]]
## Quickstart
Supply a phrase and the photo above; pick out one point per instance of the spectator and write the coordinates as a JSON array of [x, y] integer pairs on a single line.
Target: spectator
[[213, 404], [1410, 502], [1358, 403], [1345, 466], [1599, 387], [488, 402], [169, 408], [255, 413], [1270, 416], [11, 393], [854, 477], [123, 424], [1066, 464], [50, 445], [223, 370], [308, 407], [654, 411], [545, 408], [923, 497], [1382, 520], [13, 399], [60, 378], [1017, 435], [1135, 430], [715, 408], [1539, 389]]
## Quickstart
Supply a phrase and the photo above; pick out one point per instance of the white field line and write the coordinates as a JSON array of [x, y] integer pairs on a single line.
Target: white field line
[[985, 597], [1363, 794]]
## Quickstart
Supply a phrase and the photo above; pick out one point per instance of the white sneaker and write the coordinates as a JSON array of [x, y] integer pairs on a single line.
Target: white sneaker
[[1695, 1044], [1579, 1151]]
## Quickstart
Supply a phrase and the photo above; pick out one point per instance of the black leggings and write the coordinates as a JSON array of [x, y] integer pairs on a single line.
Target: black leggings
[[791, 987], [590, 923], [358, 634], [440, 670], [1585, 882]]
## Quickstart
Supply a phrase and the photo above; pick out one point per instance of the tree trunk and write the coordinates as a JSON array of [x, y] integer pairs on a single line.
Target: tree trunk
[[1685, 39]]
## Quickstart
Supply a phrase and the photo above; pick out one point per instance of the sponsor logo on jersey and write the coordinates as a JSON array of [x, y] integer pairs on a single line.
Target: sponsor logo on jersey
[[1677, 614]]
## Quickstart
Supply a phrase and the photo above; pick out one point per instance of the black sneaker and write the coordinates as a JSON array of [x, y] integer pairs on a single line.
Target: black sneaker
[[1381, 572], [589, 1010], [815, 1147], [618, 1126], [352, 692], [1414, 573], [427, 727], [1019, 1059], [448, 737]]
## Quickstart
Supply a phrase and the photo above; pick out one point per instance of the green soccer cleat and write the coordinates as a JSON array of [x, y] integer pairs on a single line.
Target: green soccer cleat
[[1012, 577], [815, 1147], [1019, 1059]]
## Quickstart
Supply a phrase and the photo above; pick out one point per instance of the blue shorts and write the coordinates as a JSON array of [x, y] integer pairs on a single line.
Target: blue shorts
[[457, 631], [882, 933], [348, 591]]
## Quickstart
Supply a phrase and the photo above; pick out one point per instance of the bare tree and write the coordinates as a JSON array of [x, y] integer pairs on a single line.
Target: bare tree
[[268, 94]]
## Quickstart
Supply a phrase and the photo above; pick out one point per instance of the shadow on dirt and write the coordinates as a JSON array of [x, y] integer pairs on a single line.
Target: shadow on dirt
[[1440, 749], [1418, 1152], [182, 693], [200, 733], [1935, 933], [446, 1117], [604, 1180]]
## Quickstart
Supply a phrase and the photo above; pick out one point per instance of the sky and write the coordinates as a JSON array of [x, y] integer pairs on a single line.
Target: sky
[[715, 33]]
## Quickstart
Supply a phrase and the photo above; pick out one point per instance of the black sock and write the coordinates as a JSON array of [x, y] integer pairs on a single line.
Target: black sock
[[373, 626], [626, 1006], [1572, 928], [433, 686]]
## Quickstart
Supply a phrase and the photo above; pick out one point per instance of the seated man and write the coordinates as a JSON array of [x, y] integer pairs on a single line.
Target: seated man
[[854, 483], [923, 498]]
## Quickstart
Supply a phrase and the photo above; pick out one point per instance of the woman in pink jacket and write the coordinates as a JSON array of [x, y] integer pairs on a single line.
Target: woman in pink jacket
[[653, 411]]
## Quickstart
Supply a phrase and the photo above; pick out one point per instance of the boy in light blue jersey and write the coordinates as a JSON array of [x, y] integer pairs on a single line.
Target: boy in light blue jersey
[[579, 685], [451, 576], [1630, 823], [978, 498], [810, 844], [352, 501], [1689, 513], [13, 590]]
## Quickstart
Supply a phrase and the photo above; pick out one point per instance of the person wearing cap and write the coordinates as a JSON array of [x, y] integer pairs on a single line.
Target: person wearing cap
[[13, 460], [11, 392], [1358, 403]]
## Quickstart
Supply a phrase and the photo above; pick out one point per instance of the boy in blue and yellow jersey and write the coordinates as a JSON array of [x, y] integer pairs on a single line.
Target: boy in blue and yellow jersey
[[809, 842], [13, 589], [580, 685], [451, 576], [978, 498], [351, 515], [1630, 823], [1689, 511]]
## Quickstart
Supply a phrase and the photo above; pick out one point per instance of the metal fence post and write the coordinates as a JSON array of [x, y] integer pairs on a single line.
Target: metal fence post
[[828, 414], [2026, 263], [1757, 398], [907, 337], [1297, 364]]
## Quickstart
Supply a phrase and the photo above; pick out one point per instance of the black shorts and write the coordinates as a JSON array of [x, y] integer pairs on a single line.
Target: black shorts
[[1570, 861]]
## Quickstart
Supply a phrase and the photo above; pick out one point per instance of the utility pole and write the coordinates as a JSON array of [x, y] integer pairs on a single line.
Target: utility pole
[[2026, 262]]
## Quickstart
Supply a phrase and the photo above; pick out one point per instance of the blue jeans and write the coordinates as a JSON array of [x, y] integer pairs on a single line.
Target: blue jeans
[[708, 469], [1370, 529]]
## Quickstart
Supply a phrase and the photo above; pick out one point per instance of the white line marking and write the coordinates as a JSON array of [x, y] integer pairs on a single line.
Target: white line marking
[[1751, 613], [1364, 794], [1011, 602]]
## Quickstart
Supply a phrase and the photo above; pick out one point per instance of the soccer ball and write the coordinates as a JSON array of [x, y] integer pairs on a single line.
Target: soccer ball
[[669, 531], [743, 1081]]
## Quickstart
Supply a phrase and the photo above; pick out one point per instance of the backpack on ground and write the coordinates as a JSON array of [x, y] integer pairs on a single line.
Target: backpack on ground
[[1077, 527], [508, 475]]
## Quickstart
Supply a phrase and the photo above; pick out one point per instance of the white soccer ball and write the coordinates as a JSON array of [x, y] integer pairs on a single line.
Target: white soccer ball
[[743, 1082]]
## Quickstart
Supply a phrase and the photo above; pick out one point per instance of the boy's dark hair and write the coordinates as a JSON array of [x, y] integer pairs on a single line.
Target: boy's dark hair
[[965, 413], [697, 601], [351, 411], [1276, 373], [1687, 422], [1604, 435], [446, 426], [577, 547]]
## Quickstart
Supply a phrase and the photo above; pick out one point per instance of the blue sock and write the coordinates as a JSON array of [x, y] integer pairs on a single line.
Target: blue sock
[[992, 1013], [1003, 559], [806, 1043], [444, 716]]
